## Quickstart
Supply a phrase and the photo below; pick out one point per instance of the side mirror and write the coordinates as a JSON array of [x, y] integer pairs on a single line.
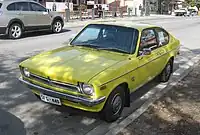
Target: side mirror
[[146, 51]]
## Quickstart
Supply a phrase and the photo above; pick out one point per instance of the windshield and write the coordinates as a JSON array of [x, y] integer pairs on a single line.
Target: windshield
[[108, 37]]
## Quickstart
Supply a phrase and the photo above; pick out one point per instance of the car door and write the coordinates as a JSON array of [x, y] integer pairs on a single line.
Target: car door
[[42, 16], [163, 48], [147, 62], [23, 13]]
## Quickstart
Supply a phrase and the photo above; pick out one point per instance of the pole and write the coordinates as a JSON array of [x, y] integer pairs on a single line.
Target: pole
[[115, 8]]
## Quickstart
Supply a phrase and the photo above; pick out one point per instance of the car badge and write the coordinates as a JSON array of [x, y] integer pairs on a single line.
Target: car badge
[[49, 81]]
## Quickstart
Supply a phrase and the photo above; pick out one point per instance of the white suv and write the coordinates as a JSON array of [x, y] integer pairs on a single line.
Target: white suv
[[19, 16]]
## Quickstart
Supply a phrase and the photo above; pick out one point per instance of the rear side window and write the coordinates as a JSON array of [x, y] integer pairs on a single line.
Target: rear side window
[[11, 7], [22, 6], [163, 36], [37, 7]]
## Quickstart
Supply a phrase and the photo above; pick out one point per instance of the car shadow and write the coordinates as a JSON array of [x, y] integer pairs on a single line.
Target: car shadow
[[35, 34], [10, 124]]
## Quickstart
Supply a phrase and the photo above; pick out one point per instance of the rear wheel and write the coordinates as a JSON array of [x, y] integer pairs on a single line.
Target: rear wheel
[[114, 105], [15, 31], [167, 71], [57, 26]]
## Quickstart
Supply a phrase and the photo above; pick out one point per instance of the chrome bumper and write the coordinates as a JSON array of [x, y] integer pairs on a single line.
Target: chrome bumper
[[81, 100]]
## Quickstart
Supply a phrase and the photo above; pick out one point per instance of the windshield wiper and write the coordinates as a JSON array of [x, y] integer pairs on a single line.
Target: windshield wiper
[[88, 45], [114, 49]]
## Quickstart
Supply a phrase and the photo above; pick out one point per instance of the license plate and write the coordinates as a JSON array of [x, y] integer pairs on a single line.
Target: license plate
[[50, 99]]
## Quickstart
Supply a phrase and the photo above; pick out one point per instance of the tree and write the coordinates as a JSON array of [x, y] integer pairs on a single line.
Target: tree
[[191, 2]]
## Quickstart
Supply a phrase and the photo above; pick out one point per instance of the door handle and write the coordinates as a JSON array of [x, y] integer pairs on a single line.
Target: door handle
[[19, 13]]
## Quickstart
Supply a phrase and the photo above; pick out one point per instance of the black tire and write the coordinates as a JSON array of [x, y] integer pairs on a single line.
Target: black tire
[[57, 26], [109, 112], [15, 31], [167, 71]]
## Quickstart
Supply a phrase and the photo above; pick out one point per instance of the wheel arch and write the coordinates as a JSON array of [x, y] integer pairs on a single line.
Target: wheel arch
[[124, 86], [58, 18], [15, 20]]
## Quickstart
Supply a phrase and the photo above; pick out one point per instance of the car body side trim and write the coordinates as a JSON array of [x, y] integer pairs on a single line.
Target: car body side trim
[[136, 68]]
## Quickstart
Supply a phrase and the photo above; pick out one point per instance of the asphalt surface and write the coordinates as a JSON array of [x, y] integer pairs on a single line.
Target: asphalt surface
[[22, 113]]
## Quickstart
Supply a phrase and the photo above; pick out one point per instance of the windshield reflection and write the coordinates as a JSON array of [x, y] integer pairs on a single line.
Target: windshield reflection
[[107, 37]]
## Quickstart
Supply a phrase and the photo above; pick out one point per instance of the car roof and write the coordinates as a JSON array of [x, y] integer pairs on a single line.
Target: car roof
[[130, 24], [12, 1]]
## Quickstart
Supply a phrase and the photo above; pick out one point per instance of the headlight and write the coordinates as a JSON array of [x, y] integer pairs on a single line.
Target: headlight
[[26, 72], [87, 89]]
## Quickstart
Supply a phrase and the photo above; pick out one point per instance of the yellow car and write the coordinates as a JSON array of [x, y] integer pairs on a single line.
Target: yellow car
[[101, 66]]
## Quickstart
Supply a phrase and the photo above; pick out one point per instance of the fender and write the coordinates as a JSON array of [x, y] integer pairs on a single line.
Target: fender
[[15, 20], [58, 18]]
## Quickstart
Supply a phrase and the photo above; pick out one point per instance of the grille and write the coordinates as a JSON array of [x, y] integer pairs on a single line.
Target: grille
[[54, 83]]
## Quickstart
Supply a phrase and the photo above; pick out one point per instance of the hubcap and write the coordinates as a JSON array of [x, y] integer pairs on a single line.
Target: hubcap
[[116, 104], [168, 70], [16, 31], [58, 27]]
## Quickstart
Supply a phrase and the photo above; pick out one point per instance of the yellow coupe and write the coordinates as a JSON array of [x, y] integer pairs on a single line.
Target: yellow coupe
[[101, 66]]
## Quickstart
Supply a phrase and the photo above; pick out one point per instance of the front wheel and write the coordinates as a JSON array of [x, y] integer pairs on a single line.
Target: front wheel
[[114, 105], [15, 31], [57, 26], [166, 73]]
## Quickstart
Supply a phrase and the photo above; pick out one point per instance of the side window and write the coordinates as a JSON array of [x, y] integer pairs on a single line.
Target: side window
[[148, 40], [11, 7], [21, 6], [37, 7], [163, 36]]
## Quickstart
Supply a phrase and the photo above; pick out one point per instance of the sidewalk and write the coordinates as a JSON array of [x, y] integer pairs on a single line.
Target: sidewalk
[[175, 113], [78, 23]]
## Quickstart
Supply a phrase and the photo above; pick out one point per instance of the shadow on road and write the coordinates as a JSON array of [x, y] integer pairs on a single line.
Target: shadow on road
[[34, 34], [10, 124], [176, 113]]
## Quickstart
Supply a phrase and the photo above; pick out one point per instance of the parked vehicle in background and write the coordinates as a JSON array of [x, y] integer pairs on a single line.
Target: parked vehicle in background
[[101, 66], [193, 11], [182, 12], [19, 16]]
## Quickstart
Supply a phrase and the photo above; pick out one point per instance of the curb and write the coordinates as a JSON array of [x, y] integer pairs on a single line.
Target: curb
[[151, 96], [83, 23]]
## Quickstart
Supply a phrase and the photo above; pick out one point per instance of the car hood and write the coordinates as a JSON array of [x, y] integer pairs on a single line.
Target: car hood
[[72, 64]]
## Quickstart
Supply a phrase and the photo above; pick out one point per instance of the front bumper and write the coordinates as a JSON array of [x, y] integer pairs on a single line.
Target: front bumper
[[3, 30], [72, 98]]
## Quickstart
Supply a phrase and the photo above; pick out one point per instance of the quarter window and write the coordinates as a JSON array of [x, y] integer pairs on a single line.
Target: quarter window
[[22, 6], [37, 7], [163, 36], [148, 39]]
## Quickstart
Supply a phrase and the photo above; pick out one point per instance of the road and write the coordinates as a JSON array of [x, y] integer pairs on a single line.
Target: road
[[27, 115]]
